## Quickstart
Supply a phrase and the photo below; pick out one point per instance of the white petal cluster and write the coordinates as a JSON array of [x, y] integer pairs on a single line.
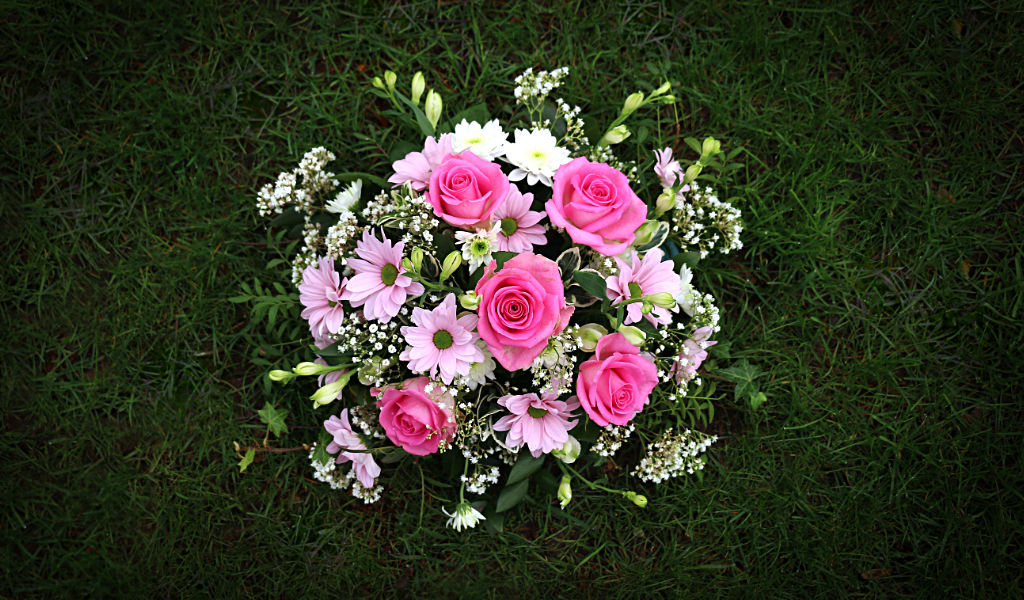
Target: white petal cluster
[[486, 141], [464, 517], [346, 198], [536, 156], [673, 454]]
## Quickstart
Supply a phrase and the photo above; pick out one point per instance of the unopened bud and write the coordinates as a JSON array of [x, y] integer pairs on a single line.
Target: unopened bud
[[329, 393], [569, 451], [417, 259], [638, 499], [633, 102], [692, 172], [418, 85], [661, 299], [710, 147], [390, 79], [645, 233], [665, 202], [590, 334], [378, 83], [281, 376], [614, 135], [470, 300], [664, 88], [307, 368], [432, 108], [565, 491], [451, 262], [633, 335]]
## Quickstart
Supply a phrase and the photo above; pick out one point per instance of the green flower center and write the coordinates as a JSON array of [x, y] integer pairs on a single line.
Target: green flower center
[[535, 412], [442, 340], [634, 290], [509, 226], [332, 303], [480, 247], [389, 274]]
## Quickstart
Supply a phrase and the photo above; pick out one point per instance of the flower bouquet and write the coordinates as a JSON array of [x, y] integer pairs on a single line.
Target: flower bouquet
[[502, 298]]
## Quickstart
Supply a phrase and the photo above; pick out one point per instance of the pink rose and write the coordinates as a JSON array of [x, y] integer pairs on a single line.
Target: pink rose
[[616, 384], [466, 189], [414, 421], [521, 306], [594, 204]]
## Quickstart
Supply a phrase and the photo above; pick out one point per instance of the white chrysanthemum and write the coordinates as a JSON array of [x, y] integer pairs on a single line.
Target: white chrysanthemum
[[536, 156], [487, 141], [480, 372], [477, 246], [346, 198], [465, 516]]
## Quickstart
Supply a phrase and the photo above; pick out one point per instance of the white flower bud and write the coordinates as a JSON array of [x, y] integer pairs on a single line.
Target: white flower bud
[[281, 376], [451, 262], [569, 451], [308, 368], [418, 85], [661, 299], [710, 147], [390, 79], [432, 107], [470, 300], [565, 491], [614, 135], [591, 334], [664, 88], [633, 102], [665, 202], [633, 335]]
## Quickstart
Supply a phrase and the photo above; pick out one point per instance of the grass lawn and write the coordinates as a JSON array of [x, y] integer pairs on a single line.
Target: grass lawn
[[881, 287]]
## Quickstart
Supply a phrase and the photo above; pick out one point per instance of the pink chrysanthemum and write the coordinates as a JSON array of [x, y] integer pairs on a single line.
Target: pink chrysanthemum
[[366, 469], [692, 355], [416, 167], [643, 277], [520, 228], [541, 423], [379, 285], [442, 342], [320, 293]]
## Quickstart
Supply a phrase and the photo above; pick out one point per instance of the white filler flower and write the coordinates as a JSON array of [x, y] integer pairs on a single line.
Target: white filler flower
[[464, 517], [487, 142], [346, 198], [536, 156]]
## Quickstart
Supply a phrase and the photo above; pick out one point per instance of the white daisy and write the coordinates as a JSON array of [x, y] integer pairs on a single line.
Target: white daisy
[[346, 198], [536, 156], [477, 246], [487, 141]]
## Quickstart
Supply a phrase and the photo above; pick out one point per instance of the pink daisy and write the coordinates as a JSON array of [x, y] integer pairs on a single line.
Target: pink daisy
[[520, 229], [416, 167], [321, 293], [378, 285], [643, 277], [692, 355], [366, 469], [442, 342], [541, 423]]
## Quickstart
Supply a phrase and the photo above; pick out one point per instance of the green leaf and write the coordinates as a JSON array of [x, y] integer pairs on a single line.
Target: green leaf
[[494, 521], [568, 262], [511, 495], [321, 455], [743, 375], [721, 350], [693, 143], [524, 467], [502, 257], [477, 112], [243, 464], [274, 419], [756, 400], [592, 282], [421, 118]]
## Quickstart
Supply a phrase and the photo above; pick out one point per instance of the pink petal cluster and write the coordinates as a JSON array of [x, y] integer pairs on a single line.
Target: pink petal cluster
[[595, 205], [366, 469], [437, 328], [669, 171], [542, 423], [379, 285], [414, 420], [521, 306], [694, 352], [321, 293], [653, 276], [520, 226], [416, 167], [616, 383]]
